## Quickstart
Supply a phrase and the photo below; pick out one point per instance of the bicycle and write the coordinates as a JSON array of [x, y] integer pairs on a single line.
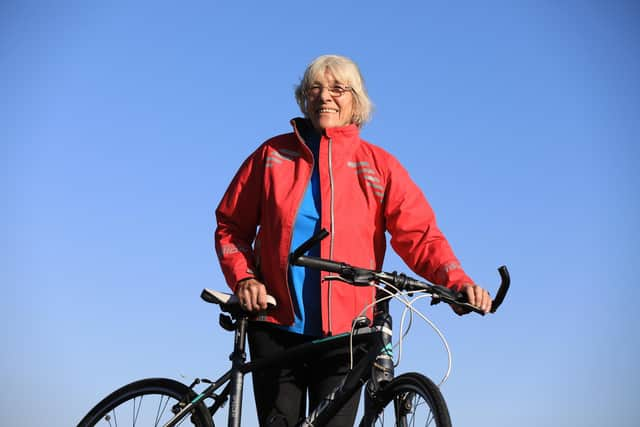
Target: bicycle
[[408, 399]]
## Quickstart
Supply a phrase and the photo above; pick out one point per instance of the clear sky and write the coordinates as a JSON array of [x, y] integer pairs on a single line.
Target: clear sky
[[122, 123]]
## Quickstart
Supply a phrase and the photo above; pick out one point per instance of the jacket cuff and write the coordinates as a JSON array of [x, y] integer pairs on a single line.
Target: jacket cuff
[[237, 275], [235, 286], [453, 276]]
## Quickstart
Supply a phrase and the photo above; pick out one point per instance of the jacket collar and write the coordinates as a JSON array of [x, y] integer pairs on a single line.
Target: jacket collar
[[338, 134]]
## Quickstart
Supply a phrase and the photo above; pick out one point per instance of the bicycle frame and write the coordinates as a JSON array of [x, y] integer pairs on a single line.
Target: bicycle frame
[[376, 365], [331, 404], [374, 368]]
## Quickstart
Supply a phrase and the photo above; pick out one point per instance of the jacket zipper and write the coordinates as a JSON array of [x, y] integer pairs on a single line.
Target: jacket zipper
[[331, 226], [313, 161]]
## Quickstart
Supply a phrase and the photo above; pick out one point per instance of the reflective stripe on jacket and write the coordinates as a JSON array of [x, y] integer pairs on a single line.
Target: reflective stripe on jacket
[[364, 192]]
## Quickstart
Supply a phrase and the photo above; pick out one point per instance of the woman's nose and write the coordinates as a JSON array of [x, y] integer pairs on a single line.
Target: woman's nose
[[325, 94]]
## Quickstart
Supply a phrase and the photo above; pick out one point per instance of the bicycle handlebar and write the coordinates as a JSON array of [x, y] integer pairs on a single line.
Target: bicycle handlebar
[[364, 277]]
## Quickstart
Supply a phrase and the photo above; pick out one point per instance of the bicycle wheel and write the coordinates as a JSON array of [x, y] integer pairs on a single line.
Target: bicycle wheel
[[149, 402], [409, 400]]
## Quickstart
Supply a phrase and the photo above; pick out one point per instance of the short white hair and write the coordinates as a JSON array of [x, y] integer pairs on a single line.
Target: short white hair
[[346, 72]]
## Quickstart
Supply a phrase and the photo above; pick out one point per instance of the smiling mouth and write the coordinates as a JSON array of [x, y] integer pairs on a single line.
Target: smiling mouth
[[327, 110]]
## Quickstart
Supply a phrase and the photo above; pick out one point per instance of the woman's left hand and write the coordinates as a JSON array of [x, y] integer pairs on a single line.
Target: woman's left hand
[[476, 296]]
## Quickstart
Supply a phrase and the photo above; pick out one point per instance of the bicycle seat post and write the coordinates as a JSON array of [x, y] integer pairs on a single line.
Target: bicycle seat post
[[238, 358]]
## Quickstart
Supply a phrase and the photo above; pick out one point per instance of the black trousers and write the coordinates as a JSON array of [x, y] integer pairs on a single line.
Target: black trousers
[[281, 393]]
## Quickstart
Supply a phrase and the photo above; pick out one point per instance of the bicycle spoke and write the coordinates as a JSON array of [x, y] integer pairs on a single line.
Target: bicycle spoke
[[406, 409], [108, 417], [160, 411], [145, 413], [146, 403], [136, 413]]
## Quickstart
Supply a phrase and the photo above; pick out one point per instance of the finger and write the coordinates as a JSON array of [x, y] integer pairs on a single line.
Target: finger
[[244, 299], [484, 300], [262, 297], [488, 303], [240, 292], [250, 296], [243, 292], [257, 296], [479, 298], [471, 295]]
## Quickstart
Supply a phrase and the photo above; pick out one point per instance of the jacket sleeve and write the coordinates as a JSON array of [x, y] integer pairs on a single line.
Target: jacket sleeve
[[238, 217], [415, 236]]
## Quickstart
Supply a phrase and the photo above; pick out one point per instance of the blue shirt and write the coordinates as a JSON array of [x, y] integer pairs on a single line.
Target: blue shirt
[[305, 282]]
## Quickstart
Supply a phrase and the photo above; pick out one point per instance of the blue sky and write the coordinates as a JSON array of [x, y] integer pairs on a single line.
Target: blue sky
[[122, 124]]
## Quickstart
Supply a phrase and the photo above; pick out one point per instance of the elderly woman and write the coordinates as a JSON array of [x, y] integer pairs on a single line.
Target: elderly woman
[[322, 175]]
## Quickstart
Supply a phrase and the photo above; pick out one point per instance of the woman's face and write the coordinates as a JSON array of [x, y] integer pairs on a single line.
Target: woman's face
[[329, 102]]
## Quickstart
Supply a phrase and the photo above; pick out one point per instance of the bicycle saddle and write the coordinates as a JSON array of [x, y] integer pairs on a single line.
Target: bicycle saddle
[[223, 298]]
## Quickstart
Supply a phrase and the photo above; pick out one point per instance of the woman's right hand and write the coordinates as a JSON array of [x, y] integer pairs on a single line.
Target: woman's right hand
[[252, 295]]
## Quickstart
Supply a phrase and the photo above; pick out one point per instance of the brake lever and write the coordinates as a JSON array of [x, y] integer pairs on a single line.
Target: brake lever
[[470, 307], [339, 279], [356, 281]]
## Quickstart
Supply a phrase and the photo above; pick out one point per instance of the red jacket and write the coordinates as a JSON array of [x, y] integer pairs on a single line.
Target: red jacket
[[364, 192]]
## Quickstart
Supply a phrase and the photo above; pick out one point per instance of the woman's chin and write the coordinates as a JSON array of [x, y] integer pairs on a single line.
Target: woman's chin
[[322, 123]]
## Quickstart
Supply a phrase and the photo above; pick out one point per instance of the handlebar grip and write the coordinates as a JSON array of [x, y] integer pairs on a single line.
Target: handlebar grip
[[459, 299], [472, 308], [321, 264]]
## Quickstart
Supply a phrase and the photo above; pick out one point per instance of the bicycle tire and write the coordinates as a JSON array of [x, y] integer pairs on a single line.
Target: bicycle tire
[[129, 401], [408, 400]]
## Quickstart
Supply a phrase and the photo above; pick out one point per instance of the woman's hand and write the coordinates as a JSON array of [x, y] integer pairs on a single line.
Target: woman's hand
[[476, 296], [252, 295]]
